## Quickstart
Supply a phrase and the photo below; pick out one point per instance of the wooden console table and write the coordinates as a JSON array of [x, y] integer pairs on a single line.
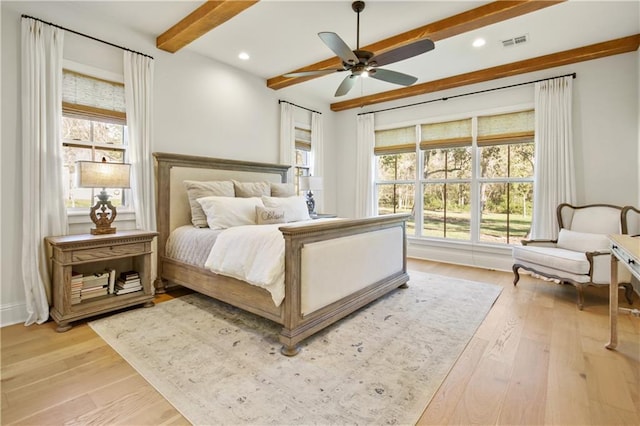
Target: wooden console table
[[625, 249]]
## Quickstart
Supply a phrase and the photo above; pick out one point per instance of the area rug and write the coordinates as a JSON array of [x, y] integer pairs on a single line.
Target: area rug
[[218, 365]]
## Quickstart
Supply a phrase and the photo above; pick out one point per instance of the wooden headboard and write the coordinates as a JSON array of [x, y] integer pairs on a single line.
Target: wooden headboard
[[172, 203]]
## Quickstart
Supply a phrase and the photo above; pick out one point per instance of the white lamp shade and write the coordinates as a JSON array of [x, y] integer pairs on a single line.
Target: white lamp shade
[[311, 183], [96, 174]]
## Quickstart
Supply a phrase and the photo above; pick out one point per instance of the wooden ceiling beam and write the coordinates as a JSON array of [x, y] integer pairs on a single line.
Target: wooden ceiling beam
[[479, 17], [199, 22], [580, 54]]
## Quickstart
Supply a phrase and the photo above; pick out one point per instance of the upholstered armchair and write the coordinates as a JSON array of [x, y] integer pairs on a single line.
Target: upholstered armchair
[[580, 255]]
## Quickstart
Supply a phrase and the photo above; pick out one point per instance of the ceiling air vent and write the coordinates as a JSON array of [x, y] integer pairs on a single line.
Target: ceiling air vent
[[515, 40]]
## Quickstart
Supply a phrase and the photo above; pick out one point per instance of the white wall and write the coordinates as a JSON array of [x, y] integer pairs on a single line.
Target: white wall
[[201, 107], [606, 140]]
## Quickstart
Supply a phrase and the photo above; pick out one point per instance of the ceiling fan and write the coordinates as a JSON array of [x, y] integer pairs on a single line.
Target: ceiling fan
[[365, 63]]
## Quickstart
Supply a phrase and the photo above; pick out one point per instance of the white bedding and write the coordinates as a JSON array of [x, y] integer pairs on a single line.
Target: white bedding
[[251, 253]]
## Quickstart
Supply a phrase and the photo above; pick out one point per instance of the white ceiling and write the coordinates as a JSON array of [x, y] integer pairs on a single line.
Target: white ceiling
[[281, 36]]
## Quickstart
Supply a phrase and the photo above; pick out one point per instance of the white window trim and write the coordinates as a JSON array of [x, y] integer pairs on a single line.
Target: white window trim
[[79, 215], [474, 243]]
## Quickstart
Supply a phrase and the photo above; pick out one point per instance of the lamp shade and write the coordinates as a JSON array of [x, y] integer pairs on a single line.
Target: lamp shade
[[311, 183], [96, 174]]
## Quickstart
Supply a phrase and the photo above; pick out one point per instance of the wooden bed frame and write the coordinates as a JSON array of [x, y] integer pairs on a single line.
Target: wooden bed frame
[[296, 323]]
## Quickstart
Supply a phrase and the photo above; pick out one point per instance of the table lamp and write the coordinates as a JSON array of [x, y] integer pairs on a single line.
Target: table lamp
[[310, 184], [100, 174]]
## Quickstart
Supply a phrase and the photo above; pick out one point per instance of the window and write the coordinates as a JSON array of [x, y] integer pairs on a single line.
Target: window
[[303, 154], [395, 152], [468, 188], [506, 152], [93, 127], [446, 185]]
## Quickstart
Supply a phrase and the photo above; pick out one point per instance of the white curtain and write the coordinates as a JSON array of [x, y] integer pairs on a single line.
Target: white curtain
[[365, 142], [43, 210], [138, 90], [287, 139], [554, 172], [317, 155]]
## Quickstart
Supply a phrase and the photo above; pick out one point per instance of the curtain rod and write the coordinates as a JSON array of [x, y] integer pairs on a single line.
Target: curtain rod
[[87, 36], [470, 93], [291, 103]]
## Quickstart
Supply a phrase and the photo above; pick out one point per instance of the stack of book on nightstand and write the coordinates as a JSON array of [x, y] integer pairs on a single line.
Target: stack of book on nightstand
[[76, 287], [95, 285], [128, 282]]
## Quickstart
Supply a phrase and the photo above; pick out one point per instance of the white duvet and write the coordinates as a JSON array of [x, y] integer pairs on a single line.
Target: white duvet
[[251, 253]]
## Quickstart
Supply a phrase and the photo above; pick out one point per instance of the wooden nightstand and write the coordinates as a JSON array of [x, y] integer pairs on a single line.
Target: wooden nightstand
[[89, 254]]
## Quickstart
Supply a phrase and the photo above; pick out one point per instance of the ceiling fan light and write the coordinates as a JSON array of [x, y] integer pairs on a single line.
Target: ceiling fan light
[[365, 74]]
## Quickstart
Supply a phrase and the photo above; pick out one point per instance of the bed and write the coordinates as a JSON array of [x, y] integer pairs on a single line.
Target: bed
[[331, 268]]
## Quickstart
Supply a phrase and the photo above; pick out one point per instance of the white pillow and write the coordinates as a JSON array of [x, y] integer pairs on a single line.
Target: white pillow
[[582, 241], [269, 215], [226, 212], [295, 208]]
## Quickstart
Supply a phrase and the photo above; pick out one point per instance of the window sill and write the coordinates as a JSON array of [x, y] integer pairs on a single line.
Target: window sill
[[81, 217]]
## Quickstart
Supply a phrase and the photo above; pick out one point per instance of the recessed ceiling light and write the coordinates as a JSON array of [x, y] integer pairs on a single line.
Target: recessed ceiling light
[[479, 42], [244, 56]]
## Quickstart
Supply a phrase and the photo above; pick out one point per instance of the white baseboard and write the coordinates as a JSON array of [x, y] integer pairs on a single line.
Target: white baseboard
[[485, 256], [12, 313]]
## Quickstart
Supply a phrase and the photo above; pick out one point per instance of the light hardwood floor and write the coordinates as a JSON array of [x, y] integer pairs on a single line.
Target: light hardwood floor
[[535, 360]]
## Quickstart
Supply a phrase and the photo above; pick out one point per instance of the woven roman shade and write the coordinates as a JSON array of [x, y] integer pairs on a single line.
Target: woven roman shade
[[448, 134], [87, 97], [395, 141], [303, 139], [515, 127]]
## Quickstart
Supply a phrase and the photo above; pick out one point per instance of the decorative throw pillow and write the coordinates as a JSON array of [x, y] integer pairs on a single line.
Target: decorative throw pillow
[[295, 208], [269, 215], [196, 189], [582, 241], [226, 212], [282, 190], [251, 189]]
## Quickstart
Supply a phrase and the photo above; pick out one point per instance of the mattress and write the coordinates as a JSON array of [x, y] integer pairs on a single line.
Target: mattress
[[191, 245]]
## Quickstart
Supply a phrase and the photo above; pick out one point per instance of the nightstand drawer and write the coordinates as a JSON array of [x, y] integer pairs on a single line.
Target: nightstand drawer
[[107, 252]]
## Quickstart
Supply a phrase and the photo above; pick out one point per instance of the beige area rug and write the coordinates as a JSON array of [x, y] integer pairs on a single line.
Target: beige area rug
[[381, 365]]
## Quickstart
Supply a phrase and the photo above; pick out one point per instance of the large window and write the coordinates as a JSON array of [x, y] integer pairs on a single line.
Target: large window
[[93, 128], [469, 179]]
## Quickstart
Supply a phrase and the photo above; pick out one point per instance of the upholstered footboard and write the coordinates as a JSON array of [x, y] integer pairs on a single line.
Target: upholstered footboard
[[336, 267]]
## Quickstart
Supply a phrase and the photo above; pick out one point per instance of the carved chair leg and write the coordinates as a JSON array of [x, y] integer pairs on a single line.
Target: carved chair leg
[[580, 288], [628, 292], [516, 275]]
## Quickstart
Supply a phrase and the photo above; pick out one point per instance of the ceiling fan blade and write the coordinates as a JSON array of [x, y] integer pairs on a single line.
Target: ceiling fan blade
[[346, 85], [339, 47], [315, 72], [393, 77], [405, 52]]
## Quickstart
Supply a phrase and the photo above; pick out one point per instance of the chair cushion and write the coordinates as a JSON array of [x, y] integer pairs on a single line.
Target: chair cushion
[[582, 241], [561, 259]]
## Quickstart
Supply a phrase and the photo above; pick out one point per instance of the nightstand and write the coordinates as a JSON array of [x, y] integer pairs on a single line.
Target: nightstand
[[88, 254], [324, 216]]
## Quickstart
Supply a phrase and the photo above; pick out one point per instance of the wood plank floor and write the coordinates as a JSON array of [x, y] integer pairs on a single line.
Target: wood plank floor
[[535, 360]]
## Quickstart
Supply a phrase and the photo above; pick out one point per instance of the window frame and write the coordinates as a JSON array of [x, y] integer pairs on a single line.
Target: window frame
[[119, 118], [475, 180], [303, 146]]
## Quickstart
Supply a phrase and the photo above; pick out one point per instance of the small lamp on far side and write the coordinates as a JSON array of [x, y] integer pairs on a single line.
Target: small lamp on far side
[[100, 174], [310, 184]]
